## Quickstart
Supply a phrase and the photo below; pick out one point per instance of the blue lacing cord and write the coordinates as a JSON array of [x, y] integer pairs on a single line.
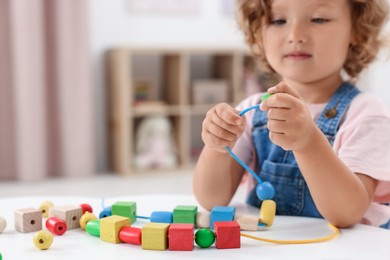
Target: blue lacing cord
[[235, 157]]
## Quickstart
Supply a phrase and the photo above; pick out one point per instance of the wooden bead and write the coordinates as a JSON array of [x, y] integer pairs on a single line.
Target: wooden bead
[[155, 236], [28, 220], [203, 219], [185, 214], [45, 207], [71, 215], [86, 208], [247, 222], [56, 226], [131, 235], [267, 212], [204, 237], [3, 224], [43, 240], [222, 213], [227, 235], [181, 237], [161, 217], [106, 212], [93, 227], [110, 227], [85, 218], [126, 209]]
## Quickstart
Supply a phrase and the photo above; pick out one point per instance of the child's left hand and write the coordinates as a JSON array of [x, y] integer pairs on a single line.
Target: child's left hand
[[289, 121]]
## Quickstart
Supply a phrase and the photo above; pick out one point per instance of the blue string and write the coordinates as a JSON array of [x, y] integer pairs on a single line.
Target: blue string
[[235, 157], [142, 217]]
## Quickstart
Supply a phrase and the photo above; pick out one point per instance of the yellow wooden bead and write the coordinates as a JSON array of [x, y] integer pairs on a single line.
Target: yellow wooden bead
[[44, 208], [267, 212], [87, 216], [43, 239]]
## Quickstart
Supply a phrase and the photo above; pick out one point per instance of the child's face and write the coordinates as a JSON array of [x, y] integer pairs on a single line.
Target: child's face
[[308, 40]]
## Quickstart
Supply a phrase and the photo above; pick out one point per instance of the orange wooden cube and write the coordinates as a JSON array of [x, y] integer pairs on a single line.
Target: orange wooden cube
[[181, 237], [227, 234]]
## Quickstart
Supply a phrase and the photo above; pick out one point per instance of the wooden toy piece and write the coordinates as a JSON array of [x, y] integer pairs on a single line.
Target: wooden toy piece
[[247, 222], [106, 212], [86, 207], [161, 217], [204, 237], [85, 218], [126, 209], [155, 236], [203, 219], [185, 214], [131, 235], [227, 234], [181, 237], [28, 220], [267, 212], [222, 213], [3, 224], [93, 227], [44, 208], [56, 226], [110, 227], [43, 240], [71, 215]]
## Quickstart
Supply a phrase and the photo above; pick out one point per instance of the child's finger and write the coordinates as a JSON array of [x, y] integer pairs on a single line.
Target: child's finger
[[228, 114], [283, 87]]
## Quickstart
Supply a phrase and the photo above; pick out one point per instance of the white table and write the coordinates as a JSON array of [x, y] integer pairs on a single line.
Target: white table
[[359, 242]]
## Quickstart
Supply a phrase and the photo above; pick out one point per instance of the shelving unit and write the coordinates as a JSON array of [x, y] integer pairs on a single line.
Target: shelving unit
[[172, 73]]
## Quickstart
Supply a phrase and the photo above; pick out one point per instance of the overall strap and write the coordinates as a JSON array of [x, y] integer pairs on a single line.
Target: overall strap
[[331, 116]]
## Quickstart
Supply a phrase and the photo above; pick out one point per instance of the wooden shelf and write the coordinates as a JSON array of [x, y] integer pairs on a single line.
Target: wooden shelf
[[171, 73]]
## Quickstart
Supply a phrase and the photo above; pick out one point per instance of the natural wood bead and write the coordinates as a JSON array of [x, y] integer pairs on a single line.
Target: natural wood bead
[[247, 222], [203, 219]]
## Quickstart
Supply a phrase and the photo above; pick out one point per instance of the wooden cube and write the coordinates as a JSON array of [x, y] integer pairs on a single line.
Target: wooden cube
[[28, 220], [185, 214], [222, 213], [71, 215], [181, 237], [227, 234], [126, 209], [111, 226], [155, 236]]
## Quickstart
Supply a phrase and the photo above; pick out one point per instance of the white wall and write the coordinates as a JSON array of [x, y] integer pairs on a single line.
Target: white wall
[[113, 25]]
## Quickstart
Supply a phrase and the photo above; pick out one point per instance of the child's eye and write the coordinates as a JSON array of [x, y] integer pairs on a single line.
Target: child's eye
[[278, 21], [319, 20]]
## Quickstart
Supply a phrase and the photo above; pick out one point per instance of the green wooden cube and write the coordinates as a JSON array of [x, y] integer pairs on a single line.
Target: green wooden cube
[[185, 214], [126, 209]]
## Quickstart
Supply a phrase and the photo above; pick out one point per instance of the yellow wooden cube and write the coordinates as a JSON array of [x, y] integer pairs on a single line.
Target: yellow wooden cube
[[110, 227], [155, 236]]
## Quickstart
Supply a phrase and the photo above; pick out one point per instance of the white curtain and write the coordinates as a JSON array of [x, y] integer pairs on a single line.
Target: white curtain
[[46, 95]]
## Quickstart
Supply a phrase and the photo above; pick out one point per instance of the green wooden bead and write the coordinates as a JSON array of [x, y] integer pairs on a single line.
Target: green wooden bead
[[93, 227], [204, 237], [265, 96]]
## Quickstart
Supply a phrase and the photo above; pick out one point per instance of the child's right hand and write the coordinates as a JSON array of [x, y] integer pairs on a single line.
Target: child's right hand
[[222, 127]]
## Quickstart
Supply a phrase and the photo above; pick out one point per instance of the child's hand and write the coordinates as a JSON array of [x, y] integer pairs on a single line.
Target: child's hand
[[222, 127], [289, 121]]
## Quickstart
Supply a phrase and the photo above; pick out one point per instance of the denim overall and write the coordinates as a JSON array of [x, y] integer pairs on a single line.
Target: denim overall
[[280, 168]]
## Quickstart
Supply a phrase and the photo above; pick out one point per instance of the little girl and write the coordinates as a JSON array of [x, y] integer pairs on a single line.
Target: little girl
[[322, 143]]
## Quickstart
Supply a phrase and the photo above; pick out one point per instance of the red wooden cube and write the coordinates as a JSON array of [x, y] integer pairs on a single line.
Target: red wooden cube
[[181, 237], [227, 234]]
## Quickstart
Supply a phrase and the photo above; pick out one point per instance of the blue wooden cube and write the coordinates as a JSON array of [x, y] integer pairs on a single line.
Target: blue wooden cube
[[222, 213]]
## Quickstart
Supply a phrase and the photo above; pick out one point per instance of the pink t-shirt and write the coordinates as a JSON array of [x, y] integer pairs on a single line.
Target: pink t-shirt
[[362, 143]]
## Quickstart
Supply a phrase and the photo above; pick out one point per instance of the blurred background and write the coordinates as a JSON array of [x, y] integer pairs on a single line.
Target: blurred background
[[92, 88]]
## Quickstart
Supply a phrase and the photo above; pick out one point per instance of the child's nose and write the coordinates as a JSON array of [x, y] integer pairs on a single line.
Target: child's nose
[[297, 33]]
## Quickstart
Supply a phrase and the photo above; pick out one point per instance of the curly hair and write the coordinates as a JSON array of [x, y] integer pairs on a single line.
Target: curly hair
[[368, 19]]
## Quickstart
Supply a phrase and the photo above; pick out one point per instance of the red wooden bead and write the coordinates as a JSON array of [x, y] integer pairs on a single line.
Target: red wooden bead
[[130, 235], [181, 237], [227, 234], [86, 207], [56, 226]]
